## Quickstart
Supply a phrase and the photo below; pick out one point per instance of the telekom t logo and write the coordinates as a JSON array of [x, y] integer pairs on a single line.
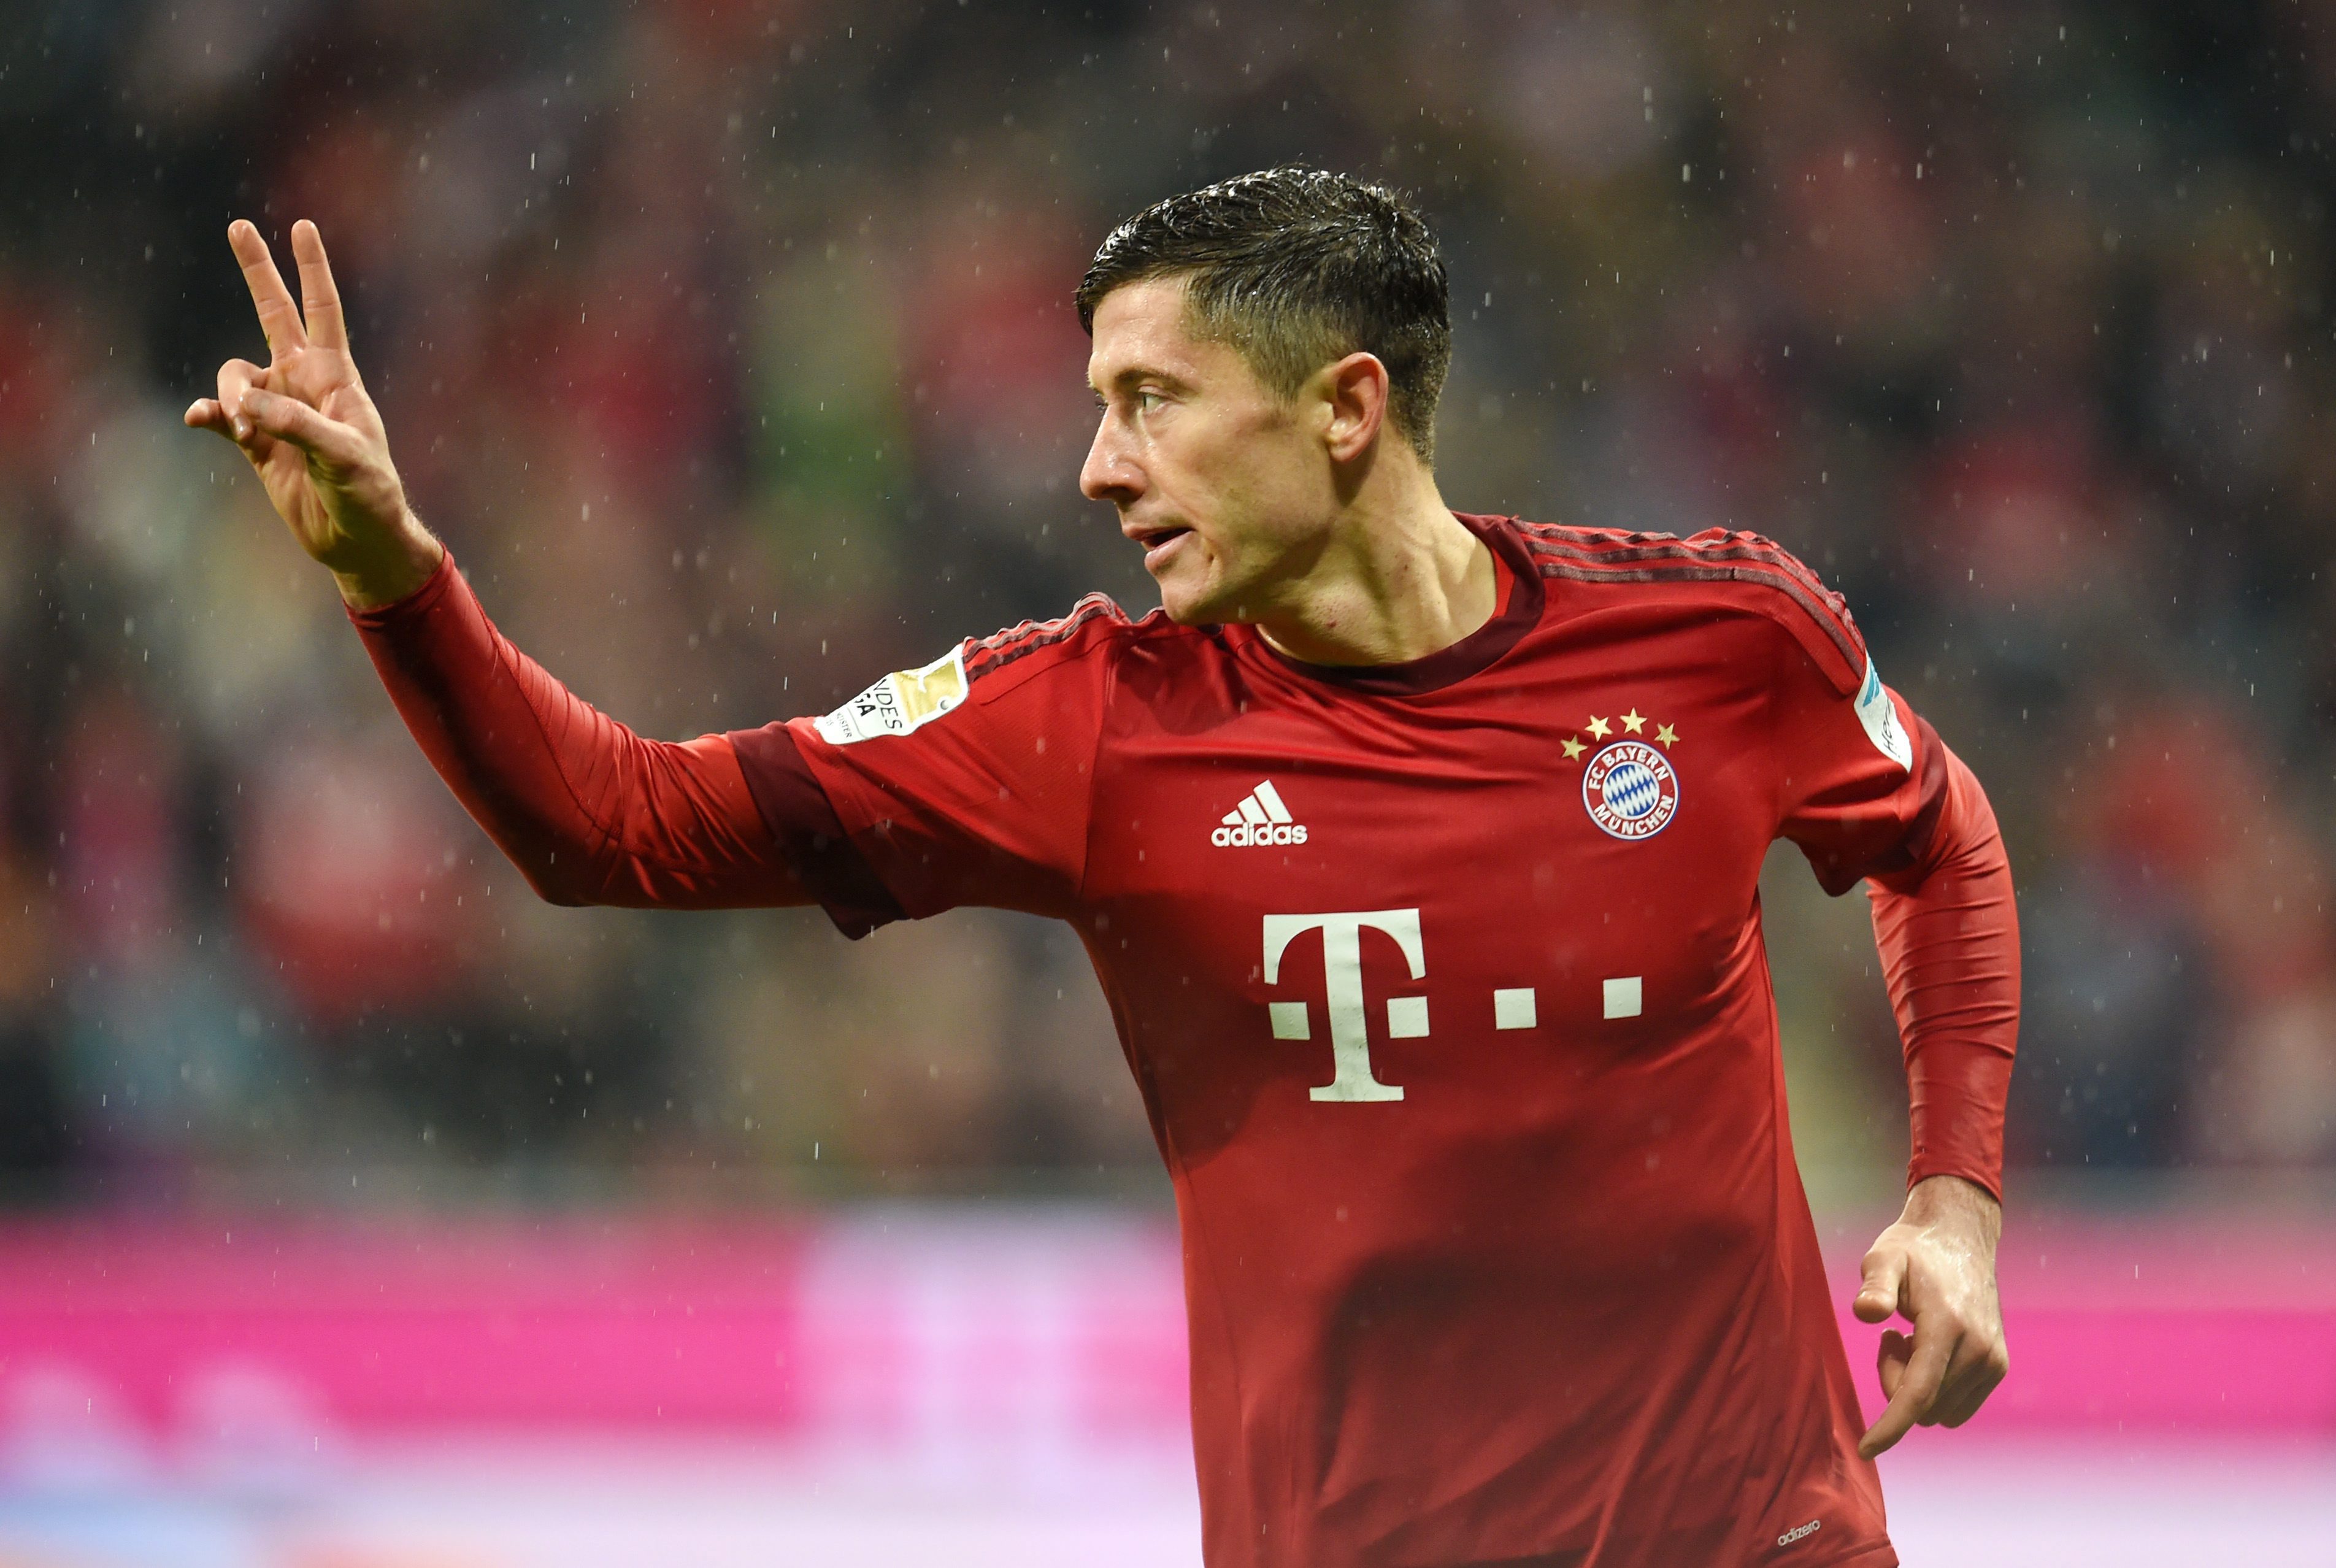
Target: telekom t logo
[[1342, 977]]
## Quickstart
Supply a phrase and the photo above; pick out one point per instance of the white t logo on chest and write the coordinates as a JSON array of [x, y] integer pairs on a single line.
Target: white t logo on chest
[[1342, 984]]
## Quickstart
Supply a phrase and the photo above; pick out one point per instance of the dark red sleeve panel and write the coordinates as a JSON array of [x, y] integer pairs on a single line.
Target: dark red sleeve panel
[[802, 819], [589, 812], [1950, 940]]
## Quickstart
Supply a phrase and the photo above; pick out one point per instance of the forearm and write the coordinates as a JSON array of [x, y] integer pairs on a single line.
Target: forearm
[[1948, 936], [588, 811]]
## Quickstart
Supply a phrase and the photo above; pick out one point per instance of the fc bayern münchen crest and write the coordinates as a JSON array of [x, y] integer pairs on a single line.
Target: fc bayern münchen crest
[[1632, 790]]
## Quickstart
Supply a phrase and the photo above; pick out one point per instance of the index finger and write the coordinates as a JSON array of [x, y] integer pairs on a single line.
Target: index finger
[[277, 318], [320, 297], [1926, 1369]]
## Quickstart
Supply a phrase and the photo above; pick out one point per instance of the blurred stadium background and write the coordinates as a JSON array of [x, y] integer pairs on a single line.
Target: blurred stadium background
[[360, 1210]]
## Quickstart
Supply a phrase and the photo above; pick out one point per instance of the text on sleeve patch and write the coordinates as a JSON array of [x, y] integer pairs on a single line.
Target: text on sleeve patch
[[898, 703], [1879, 714]]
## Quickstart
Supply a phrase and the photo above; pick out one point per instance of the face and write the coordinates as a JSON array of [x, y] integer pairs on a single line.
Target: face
[[1228, 488]]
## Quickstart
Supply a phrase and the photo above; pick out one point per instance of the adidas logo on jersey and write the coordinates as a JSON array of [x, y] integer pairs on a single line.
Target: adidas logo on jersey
[[1260, 820]]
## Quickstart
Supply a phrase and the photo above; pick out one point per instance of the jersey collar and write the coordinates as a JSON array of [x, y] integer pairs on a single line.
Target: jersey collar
[[1476, 651]]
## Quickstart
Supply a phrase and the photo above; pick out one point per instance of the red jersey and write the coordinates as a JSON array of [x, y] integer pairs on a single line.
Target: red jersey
[[1444, 988]]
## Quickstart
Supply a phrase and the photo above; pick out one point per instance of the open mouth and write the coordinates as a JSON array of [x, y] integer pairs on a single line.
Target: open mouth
[[1157, 542]]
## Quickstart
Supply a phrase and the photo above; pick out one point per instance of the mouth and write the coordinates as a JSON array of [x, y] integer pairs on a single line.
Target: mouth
[[1158, 543]]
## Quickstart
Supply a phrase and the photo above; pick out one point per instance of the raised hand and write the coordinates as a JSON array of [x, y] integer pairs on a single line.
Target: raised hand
[[311, 432], [1936, 1266]]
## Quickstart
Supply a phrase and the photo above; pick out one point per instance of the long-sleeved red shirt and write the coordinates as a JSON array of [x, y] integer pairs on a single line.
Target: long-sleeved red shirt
[[1444, 987]]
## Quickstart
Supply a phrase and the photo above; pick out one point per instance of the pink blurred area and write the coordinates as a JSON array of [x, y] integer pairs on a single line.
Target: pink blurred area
[[867, 1329], [2198, 1325], [889, 1325], [980, 1386]]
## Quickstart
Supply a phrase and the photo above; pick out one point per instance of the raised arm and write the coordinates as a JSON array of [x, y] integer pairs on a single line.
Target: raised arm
[[589, 812]]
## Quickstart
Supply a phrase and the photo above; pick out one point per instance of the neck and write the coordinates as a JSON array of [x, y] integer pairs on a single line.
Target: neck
[[1398, 578]]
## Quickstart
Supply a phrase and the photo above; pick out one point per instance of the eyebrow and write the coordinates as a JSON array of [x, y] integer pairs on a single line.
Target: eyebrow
[[1135, 374]]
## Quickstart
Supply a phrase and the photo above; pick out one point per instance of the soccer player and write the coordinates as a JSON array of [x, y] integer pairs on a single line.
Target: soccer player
[[1418, 853]]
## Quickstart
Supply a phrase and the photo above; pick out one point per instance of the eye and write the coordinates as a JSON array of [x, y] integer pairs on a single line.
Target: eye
[[1150, 402]]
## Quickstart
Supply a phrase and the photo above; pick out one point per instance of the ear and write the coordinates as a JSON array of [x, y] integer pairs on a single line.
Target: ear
[[1355, 390]]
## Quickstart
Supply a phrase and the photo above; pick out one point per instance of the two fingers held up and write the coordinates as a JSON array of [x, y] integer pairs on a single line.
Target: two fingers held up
[[310, 367], [1936, 1268], [307, 422]]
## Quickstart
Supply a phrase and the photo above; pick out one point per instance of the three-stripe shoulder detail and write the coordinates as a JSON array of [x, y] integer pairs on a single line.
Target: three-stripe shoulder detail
[[988, 655], [1714, 556]]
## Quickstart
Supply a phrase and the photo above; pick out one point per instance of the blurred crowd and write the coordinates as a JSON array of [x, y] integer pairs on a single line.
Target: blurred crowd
[[729, 345]]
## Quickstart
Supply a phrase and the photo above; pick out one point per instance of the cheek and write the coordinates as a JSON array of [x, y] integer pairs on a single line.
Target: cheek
[[1266, 509], [1239, 482]]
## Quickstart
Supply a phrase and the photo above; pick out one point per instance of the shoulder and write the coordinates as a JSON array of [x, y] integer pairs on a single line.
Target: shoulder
[[1092, 637], [977, 672], [1717, 570]]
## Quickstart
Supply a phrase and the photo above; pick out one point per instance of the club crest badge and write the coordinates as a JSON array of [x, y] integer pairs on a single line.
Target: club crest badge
[[1632, 790]]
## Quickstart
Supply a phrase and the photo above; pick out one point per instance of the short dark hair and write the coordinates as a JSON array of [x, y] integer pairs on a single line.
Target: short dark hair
[[1296, 268]]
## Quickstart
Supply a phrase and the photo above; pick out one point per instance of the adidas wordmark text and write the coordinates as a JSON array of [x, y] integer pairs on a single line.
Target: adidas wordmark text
[[1260, 820]]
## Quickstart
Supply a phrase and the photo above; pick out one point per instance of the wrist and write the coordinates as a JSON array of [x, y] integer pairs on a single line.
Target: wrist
[[408, 559], [1954, 1200]]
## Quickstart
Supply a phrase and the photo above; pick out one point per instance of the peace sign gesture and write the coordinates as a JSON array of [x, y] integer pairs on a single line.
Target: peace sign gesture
[[311, 432]]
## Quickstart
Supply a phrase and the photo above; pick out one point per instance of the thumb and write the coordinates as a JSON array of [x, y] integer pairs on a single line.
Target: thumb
[[291, 420], [1877, 1298]]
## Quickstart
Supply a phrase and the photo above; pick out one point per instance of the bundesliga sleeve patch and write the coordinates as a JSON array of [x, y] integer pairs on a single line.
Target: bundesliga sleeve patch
[[899, 702], [1879, 714]]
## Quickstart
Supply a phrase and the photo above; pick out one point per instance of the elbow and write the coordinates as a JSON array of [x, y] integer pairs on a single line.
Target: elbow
[[559, 893], [556, 885]]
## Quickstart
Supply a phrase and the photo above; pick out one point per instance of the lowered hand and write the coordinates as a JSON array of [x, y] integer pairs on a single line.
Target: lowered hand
[[1936, 1268]]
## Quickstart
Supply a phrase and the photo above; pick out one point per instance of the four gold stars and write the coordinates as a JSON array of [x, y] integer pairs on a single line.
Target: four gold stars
[[1633, 723]]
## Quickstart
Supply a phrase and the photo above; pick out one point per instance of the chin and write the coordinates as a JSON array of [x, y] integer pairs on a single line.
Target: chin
[[1183, 609], [1195, 593], [1191, 606], [1188, 603]]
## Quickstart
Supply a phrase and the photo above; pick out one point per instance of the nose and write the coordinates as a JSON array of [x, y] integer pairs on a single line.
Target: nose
[[1110, 473]]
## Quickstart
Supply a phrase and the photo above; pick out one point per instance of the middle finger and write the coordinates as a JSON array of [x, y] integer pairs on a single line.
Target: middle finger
[[278, 317]]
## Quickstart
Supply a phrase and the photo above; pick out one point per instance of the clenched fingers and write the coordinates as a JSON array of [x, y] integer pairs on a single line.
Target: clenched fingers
[[279, 318], [211, 413], [290, 419], [222, 415], [1915, 1388], [1977, 1368], [237, 377], [1890, 1359]]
